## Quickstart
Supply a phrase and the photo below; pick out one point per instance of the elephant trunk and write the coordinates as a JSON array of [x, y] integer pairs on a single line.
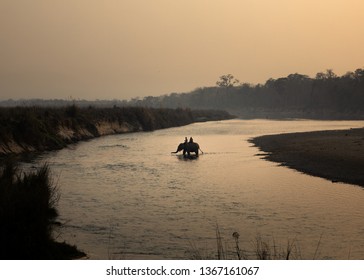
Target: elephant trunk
[[179, 148]]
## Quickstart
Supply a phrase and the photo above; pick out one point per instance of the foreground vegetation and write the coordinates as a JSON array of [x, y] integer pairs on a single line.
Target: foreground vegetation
[[25, 129], [260, 249], [28, 216]]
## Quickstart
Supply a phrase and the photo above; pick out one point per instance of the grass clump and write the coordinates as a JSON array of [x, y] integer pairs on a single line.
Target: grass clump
[[260, 249], [28, 214]]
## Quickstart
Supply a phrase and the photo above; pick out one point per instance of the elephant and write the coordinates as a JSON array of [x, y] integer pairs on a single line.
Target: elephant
[[188, 147]]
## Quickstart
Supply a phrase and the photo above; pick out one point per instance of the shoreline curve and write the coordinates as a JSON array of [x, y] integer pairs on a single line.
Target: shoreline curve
[[336, 155]]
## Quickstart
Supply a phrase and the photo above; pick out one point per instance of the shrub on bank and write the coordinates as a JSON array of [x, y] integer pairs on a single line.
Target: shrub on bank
[[27, 216]]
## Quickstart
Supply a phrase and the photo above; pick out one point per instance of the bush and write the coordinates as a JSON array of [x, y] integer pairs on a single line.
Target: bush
[[27, 214]]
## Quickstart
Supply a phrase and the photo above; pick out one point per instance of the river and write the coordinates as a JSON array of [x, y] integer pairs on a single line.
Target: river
[[127, 197]]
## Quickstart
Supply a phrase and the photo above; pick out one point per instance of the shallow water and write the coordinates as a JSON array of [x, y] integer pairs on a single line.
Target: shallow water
[[126, 197]]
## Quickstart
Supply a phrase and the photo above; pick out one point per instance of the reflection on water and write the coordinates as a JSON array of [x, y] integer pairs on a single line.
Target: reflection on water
[[126, 196]]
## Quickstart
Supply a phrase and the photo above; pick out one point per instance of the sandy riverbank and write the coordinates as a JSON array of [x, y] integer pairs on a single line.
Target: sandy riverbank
[[335, 155]]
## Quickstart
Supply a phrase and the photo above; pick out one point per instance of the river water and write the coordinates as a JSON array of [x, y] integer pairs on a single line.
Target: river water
[[127, 197]]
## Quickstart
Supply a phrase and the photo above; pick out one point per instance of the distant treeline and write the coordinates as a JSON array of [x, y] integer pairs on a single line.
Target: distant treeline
[[327, 96], [25, 129]]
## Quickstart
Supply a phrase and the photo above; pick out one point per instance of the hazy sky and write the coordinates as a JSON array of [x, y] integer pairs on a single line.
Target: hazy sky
[[105, 49]]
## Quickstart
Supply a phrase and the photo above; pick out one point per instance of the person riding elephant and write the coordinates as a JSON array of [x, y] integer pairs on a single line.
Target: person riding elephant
[[188, 148], [191, 147]]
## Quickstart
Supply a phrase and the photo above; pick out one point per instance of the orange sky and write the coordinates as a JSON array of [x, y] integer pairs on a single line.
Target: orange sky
[[103, 49]]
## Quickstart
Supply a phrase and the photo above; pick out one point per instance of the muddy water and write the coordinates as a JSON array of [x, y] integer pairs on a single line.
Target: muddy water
[[126, 196]]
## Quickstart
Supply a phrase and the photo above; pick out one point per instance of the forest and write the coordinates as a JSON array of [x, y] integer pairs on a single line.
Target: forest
[[326, 96]]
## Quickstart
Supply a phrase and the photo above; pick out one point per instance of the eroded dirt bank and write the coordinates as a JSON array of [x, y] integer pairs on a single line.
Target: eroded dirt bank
[[34, 129]]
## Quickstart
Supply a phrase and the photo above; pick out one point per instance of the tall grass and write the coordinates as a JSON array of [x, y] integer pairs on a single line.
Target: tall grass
[[38, 127], [260, 249], [27, 215], [264, 250]]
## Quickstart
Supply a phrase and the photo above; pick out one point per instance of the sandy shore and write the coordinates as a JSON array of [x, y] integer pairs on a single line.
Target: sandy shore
[[335, 155]]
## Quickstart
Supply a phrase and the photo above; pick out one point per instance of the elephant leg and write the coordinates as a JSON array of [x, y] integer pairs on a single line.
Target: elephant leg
[[197, 153]]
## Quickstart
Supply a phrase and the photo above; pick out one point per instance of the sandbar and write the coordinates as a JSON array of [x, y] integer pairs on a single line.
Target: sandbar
[[337, 155]]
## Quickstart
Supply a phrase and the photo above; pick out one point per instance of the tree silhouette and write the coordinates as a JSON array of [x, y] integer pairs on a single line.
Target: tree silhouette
[[227, 80]]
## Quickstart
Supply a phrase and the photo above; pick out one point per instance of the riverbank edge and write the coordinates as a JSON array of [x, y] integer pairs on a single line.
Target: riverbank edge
[[336, 155], [27, 131], [36, 130]]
